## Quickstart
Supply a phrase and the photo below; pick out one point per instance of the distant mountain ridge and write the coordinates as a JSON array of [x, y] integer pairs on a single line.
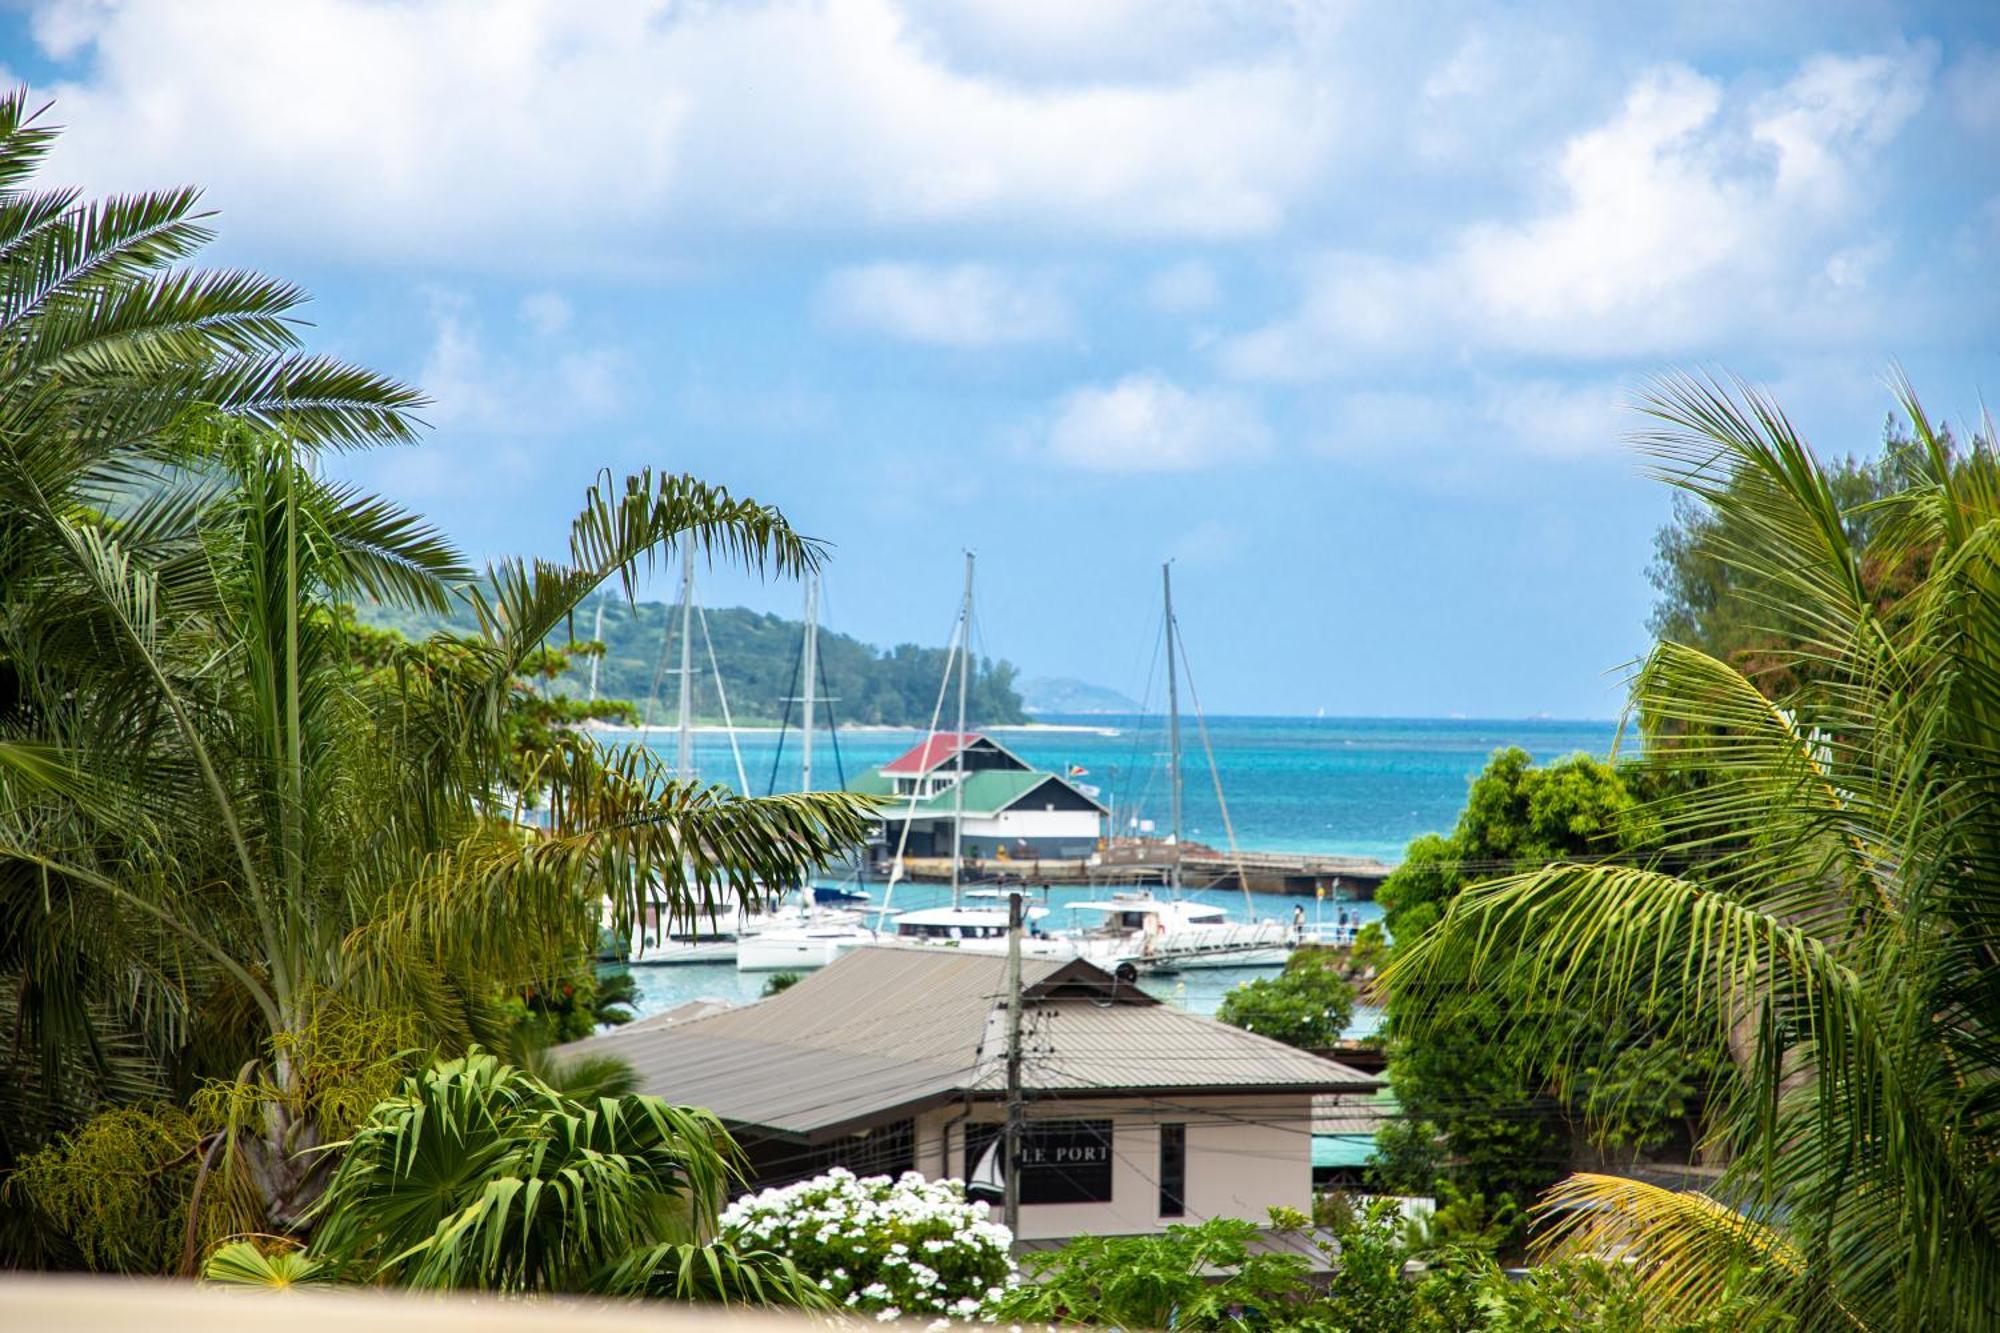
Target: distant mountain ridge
[[1066, 694]]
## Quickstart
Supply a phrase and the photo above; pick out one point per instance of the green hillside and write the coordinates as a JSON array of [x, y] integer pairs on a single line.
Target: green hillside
[[758, 655]]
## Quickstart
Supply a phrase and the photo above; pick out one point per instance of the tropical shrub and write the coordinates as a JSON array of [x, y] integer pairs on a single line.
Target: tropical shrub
[[908, 1246], [1308, 1004], [1385, 1278], [478, 1175], [1192, 1277]]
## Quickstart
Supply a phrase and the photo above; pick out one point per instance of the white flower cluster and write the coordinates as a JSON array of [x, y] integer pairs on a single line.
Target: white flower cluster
[[881, 1246]]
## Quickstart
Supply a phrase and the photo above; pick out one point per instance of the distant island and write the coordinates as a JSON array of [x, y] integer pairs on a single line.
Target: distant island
[[758, 655], [1066, 694]]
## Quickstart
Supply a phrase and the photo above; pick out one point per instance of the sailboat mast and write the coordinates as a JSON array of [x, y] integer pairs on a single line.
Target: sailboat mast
[[1173, 725], [958, 749], [809, 669], [684, 745]]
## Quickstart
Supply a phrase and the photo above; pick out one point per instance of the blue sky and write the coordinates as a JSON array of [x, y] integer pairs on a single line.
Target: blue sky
[[1337, 305]]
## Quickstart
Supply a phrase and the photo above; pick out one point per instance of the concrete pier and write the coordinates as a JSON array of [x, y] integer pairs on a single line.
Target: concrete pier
[[1148, 861]]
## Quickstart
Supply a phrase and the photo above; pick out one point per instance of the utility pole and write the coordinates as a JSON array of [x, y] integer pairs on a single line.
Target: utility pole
[[1010, 1146], [684, 746], [958, 749], [1173, 726], [809, 668]]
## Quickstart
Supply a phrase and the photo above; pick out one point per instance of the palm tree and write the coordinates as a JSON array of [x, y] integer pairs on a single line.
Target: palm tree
[[477, 1175], [1840, 937], [230, 861]]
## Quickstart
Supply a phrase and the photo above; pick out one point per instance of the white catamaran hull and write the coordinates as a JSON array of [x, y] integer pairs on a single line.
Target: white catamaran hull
[[681, 953], [795, 951]]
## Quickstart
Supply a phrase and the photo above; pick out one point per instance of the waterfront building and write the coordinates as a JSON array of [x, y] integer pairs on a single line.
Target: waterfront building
[[1138, 1115], [1011, 810]]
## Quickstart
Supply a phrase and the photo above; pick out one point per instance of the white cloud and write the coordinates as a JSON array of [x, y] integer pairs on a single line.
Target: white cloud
[[547, 313], [957, 305], [1209, 543], [496, 388], [1098, 39], [1148, 423], [1972, 88], [1183, 288], [590, 134], [1678, 221], [1484, 419]]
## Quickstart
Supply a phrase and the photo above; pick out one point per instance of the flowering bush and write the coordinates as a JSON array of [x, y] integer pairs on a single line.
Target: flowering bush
[[887, 1247]]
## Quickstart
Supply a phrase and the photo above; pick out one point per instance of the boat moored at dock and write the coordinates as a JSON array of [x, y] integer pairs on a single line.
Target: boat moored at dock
[[1170, 934]]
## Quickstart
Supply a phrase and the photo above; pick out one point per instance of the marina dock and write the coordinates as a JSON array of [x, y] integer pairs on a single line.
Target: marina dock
[[1149, 861]]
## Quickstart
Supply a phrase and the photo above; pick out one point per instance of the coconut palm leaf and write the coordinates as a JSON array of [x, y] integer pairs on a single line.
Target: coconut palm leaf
[[1841, 939]]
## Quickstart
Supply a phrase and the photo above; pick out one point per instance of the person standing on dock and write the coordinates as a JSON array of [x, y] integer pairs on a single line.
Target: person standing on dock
[[1298, 921]]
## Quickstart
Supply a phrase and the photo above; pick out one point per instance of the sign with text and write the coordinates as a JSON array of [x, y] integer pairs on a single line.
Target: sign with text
[[1062, 1161]]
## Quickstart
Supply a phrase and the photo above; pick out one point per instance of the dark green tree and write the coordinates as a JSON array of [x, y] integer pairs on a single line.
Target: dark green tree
[[1307, 1005]]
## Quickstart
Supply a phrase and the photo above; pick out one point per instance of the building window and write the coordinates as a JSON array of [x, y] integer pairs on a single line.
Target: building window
[[1173, 1170]]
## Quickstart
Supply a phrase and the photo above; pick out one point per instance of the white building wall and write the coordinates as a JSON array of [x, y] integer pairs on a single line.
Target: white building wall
[[1245, 1155], [1078, 825]]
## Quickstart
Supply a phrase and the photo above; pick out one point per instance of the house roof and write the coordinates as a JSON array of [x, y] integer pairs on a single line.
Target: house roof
[[938, 749], [885, 1031], [987, 792]]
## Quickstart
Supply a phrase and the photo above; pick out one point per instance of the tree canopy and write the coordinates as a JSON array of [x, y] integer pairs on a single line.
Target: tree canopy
[[256, 861], [758, 657], [1837, 958]]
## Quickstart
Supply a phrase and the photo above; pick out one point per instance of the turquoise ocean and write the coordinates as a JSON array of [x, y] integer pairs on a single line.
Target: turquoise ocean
[[1353, 786]]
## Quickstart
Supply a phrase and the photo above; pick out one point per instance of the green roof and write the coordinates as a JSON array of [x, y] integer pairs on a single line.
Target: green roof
[[1343, 1149], [988, 791]]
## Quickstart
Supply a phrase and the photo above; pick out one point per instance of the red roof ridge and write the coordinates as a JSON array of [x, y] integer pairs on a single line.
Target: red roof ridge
[[933, 750]]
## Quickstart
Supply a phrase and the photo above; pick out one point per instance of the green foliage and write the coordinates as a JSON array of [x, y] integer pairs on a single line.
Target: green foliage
[[758, 657], [1834, 958], [1202, 1278], [1737, 610], [1308, 1004], [1595, 1294], [477, 1175], [221, 800], [1489, 1121], [243, 1263], [118, 1188], [780, 982], [1194, 1278]]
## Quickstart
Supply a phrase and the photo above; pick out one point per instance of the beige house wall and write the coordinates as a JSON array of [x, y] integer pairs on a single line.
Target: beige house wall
[[1245, 1155]]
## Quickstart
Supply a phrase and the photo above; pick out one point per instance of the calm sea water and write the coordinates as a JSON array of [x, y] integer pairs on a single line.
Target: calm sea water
[[1356, 786]]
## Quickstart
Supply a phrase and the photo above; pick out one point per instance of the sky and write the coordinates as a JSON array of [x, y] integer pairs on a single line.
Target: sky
[[1340, 307]]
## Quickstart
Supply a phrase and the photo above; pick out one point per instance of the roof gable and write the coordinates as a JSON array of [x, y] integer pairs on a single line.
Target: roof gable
[[939, 749], [986, 792]]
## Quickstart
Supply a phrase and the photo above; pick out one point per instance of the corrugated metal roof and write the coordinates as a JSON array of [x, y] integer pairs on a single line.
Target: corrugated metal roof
[[1355, 1113], [885, 1028], [988, 791], [1073, 1044], [930, 752]]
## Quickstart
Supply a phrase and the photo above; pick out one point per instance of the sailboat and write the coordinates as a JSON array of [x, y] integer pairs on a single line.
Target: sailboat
[[701, 940], [1172, 933], [804, 934], [971, 929]]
